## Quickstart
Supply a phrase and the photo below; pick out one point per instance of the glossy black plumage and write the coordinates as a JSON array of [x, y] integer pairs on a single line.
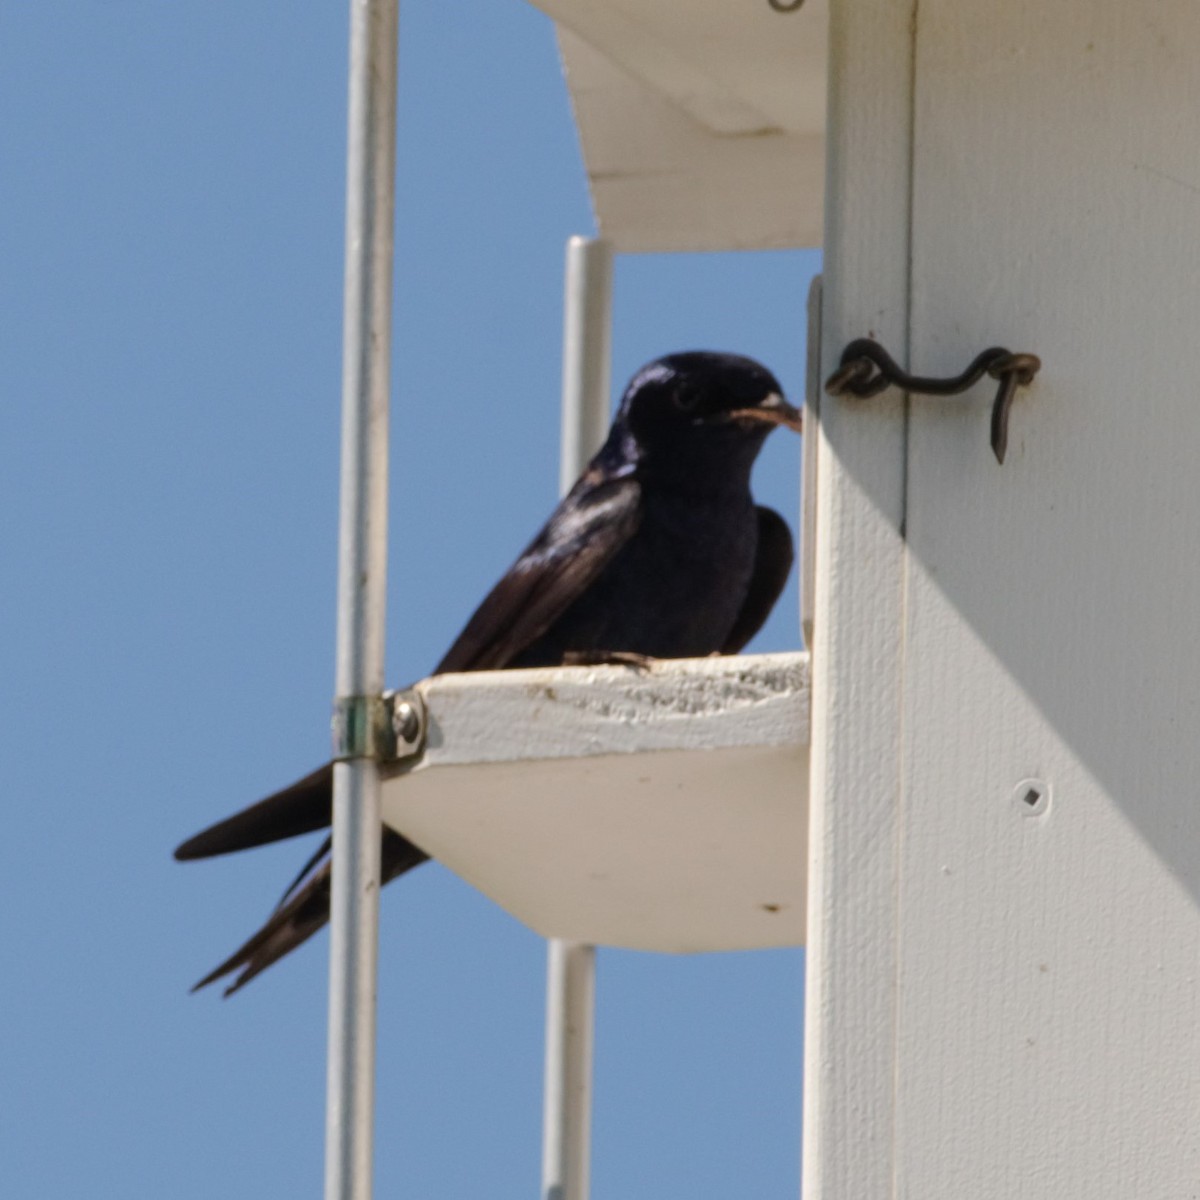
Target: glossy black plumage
[[658, 550]]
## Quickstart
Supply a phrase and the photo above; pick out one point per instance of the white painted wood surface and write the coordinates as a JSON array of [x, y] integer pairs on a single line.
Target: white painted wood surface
[[702, 124], [1050, 608], [656, 810], [850, 1048], [1004, 998]]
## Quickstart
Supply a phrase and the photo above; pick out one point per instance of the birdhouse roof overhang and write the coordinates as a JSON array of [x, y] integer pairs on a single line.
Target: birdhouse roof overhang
[[702, 124]]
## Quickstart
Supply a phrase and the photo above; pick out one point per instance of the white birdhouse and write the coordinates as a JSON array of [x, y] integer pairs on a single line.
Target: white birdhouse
[[1004, 851], [1002, 765]]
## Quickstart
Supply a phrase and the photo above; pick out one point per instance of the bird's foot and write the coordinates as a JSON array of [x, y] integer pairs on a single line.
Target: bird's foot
[[608, 658]]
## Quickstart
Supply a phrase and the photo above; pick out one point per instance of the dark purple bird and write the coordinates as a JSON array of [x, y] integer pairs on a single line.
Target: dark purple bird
[[658, 551]]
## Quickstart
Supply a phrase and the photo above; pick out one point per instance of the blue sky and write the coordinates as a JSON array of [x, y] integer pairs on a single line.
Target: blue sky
[[171, 222]]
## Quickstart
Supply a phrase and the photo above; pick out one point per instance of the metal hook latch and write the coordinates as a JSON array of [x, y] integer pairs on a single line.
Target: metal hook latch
[[866, 369]]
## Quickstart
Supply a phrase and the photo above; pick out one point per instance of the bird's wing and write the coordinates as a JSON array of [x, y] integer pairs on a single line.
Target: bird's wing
[[772, 565], [591, 524], [587, 529]]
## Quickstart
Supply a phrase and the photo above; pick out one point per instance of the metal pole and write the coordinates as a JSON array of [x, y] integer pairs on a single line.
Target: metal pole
[[571, 966], [567, 1118], [587, 355], [362, 579]]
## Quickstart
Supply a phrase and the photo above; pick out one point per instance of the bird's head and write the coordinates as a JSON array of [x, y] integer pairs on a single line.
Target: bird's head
[[698, 407]]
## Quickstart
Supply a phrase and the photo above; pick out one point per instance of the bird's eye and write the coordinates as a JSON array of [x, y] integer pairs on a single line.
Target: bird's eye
[[686, 399]]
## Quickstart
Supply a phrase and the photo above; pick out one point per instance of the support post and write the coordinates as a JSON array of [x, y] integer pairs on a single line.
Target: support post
[[362, 568], [587, 355], [571, 966]]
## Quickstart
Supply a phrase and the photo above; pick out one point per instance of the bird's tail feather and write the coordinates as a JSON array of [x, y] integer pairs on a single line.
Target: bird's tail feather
[[289, 926], [303, 910], [299, 808]]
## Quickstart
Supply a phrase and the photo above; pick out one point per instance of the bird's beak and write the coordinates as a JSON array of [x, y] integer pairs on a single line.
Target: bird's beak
[[774, 410]]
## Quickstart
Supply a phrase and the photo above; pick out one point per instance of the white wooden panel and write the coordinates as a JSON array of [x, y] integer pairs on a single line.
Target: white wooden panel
[[655, 810], [808, 470], [737, 70], [661, 181], [702, 124], [850, 1012], [1049, 1014]]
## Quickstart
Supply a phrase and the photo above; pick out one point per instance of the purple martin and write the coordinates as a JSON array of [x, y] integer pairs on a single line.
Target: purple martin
[[658, 551]]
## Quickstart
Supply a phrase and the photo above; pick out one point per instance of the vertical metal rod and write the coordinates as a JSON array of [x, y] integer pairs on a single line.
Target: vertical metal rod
[[362, 580], [567, 1118], [571, 966], [587, 355]]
